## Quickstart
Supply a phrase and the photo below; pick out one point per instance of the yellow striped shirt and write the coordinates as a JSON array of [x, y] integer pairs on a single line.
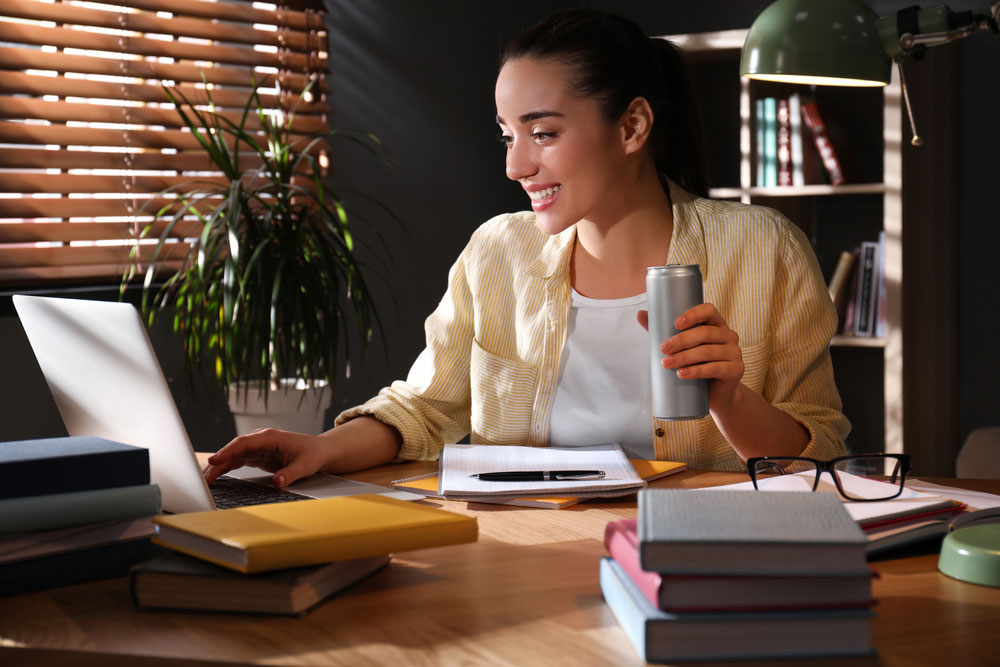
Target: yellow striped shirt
[[494, 342]]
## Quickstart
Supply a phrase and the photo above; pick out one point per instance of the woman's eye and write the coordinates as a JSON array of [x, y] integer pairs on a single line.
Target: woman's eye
[[542, 136], [505, 139]]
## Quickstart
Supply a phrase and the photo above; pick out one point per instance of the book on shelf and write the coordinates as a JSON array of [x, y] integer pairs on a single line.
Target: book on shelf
[[704, 593], [770, 141], [172, 580], [880, 314], [460, 464], [813, 120], [427, 485], [60, 510], [661, 636], [277, 536], [759, 139], [784, 142], [729, 532], [867, 289], [803, 160], [840, 281], [64, 465], [850, 301]]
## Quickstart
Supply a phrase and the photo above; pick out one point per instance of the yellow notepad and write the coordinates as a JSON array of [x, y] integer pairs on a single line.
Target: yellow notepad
[[308, 532], [428, 485]]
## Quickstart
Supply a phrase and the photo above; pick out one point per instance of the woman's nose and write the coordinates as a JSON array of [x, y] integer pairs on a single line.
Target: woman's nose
[[520, 163]]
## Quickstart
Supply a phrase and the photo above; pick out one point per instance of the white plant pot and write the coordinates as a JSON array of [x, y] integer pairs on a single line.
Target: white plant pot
[[292, 407]]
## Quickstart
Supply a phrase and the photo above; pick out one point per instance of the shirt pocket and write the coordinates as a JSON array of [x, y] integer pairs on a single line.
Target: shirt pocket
[[756, 360], [503, 394]]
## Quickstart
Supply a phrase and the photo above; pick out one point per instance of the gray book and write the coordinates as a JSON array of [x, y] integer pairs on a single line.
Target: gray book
[[712, 531]]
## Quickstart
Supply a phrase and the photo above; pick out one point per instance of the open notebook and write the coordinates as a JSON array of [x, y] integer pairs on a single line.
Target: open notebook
[[623, 476]]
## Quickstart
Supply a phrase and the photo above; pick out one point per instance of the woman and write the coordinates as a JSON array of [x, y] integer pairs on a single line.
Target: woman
[[538, 339]]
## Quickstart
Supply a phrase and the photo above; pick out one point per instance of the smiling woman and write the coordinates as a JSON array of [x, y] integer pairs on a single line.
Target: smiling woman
[[540, 339]]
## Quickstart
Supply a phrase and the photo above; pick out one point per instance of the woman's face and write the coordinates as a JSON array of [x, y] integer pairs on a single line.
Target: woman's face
[[560, 148]]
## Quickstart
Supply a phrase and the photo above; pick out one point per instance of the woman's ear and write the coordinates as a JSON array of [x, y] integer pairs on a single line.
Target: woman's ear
[[636, 124]]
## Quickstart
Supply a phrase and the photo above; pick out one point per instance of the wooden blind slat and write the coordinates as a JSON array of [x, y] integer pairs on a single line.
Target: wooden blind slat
[[77, 255], [34, 158], [150, 23], [27, 58], [33, 232], [298, 20], [60, 112], [83, 183], [144, 46], [20, 133], [65, 207], [30, 84], [35, 275]]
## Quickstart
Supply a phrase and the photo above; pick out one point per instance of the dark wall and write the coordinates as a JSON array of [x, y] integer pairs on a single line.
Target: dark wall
[[420, 76]]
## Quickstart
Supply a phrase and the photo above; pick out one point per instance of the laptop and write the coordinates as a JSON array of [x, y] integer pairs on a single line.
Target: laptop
[[103, 373]]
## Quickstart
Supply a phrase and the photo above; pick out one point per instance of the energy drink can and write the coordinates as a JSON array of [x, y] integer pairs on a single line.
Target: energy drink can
[[671, 290]]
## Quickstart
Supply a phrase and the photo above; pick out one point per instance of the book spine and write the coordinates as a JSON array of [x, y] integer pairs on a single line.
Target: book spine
[[759, 137], [620, 540], [626, 609], [811, 117], [880, 317], [866, 289], [770, 142], [784, 143], [795, 139], [851, 298], [74, 471], [59, 510], [75, 567]]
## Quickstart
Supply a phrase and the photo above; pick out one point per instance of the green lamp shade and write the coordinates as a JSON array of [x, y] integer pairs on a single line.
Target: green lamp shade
[[825, 42]]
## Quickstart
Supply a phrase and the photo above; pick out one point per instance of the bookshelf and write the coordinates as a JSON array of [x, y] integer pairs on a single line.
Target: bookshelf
[[869, 370]]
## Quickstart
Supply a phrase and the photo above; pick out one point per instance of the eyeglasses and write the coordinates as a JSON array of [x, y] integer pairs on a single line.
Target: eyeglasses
[[765, 467]]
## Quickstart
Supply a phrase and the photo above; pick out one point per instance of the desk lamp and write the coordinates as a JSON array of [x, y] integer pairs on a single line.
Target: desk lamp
[[845, 43]]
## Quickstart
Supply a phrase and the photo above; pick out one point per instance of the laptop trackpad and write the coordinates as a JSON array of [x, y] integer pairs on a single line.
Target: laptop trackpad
[[322, 485]]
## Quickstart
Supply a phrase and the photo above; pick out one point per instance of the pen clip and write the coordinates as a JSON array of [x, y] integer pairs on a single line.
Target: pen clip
[[578, 478]]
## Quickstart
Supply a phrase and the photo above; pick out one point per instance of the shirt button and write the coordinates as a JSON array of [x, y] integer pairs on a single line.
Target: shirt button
[[659, 432]]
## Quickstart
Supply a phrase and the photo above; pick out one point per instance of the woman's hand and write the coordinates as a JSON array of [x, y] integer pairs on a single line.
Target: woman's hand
[[290, 456], [363, 442], [710, 351]]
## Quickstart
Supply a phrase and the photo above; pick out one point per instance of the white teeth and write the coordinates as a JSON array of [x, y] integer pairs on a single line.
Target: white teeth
[[547, 192]]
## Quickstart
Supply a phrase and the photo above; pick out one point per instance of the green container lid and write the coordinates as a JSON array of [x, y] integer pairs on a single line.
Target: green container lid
[[972, 554]]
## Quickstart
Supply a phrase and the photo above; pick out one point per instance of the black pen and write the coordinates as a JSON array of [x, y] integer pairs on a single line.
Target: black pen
[[540, 476]]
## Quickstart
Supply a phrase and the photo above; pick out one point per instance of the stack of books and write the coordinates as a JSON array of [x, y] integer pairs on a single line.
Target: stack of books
[[793, 144], [857, 288], [73, 510], [284, 558], [719, 574]]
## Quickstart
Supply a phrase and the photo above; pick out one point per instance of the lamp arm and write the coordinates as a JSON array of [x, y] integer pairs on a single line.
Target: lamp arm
[[959, 25]]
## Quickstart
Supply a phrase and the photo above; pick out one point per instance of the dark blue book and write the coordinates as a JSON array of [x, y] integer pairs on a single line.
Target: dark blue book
[[66, 465]]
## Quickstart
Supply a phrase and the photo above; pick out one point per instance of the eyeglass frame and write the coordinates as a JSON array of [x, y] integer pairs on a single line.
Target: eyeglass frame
[[903, 465]]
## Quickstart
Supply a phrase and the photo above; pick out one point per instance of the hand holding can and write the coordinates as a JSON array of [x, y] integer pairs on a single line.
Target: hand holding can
[[670, 291]]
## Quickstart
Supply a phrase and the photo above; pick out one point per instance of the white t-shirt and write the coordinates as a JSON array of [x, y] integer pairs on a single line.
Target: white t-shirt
[[603, 390]]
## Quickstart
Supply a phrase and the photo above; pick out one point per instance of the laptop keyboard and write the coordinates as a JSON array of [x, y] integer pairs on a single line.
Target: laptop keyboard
[[234, 492]]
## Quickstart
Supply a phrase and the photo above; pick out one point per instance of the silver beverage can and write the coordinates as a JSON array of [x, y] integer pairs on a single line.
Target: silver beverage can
[[671, 290]]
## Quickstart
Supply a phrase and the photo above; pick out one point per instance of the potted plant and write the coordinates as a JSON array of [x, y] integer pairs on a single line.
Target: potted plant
[[270, 293]]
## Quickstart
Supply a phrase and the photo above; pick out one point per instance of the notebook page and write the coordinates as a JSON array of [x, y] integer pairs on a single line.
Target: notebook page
[[910, 501], [458, 462]]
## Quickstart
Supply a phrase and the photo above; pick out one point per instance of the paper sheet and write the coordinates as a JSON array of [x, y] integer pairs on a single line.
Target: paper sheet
[[909, 502], [460, 461]]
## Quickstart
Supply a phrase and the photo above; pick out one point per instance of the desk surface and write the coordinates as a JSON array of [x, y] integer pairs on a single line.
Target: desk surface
[[526, 593]]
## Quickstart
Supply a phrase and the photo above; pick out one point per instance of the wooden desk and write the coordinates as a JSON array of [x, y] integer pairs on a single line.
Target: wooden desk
[[526, 593]]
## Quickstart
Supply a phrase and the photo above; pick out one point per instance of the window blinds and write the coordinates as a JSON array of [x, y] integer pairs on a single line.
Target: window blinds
[[88, 136]]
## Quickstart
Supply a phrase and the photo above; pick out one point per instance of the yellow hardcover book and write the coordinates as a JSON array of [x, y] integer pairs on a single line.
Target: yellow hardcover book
[[260, 538], [648, 470]]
